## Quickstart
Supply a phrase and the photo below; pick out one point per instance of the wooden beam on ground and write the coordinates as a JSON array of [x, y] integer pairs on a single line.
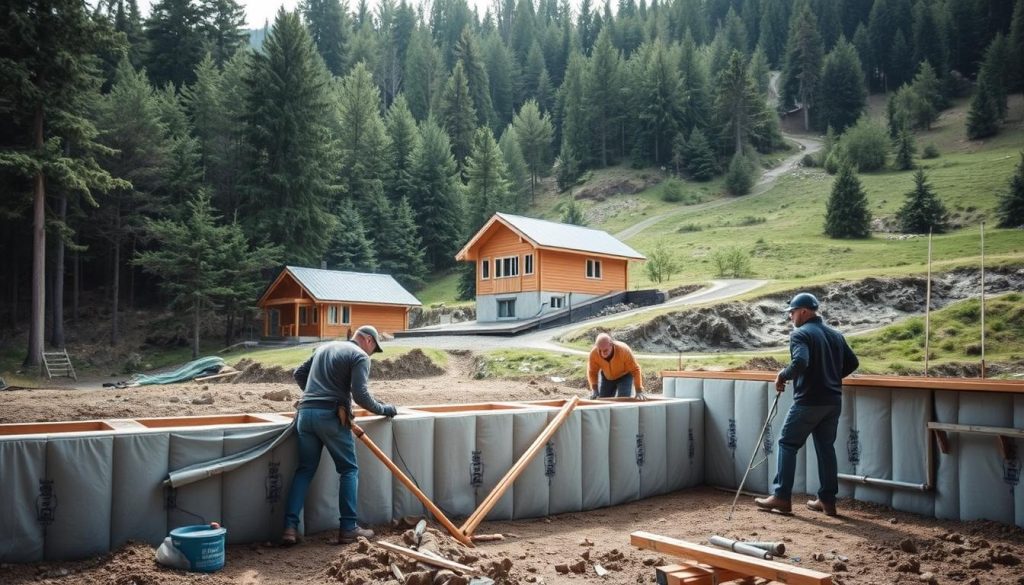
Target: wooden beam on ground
[[217, 376], [428, 559], [728, 560]]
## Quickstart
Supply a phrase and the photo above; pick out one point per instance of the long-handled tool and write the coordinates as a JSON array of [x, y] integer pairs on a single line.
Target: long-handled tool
[[753, 454], [431, 507]]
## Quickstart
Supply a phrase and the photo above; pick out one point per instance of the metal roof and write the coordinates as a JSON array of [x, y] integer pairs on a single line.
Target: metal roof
[[352, 287], [550, 234]]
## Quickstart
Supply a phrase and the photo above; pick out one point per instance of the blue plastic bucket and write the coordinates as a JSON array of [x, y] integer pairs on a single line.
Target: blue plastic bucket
[[202, 545]]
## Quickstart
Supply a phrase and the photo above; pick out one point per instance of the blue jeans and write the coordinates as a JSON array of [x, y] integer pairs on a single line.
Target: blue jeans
[[317, 428], [821, 422], [622, 387]]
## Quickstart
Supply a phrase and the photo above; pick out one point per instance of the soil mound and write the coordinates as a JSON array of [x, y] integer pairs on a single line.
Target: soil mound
[[414, 364], [255, 372]]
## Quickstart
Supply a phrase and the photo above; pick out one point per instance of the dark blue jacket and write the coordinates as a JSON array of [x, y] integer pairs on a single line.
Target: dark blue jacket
[[821, 358]]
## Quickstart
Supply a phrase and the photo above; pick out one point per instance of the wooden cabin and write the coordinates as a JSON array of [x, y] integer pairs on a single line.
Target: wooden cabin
[[527, 267], [307, 304]]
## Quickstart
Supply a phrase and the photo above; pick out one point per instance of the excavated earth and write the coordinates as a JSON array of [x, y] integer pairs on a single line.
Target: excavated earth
[[851, 306]]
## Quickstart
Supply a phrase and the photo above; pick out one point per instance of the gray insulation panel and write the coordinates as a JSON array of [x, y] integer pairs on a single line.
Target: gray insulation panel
[[595, 473], [845, 450], [81, 472], [255, 494], [140, 466], [652, 454], [376, 484], [1016, 468], [679, 469], [624, 481], [530, 490], [492, 459], [874, 426], [911, 411], [984, 493], [414, 455], [750, 413], [320, 509], [454, 443], [566, 487], [720, 433], [24, 507], [947, 468]]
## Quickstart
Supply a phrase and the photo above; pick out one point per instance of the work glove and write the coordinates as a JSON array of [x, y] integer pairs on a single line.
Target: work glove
[[593, 394], [389, 410], [641, 396]]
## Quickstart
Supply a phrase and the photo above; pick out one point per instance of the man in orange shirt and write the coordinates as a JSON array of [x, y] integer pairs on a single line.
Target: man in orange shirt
[[612, 370]]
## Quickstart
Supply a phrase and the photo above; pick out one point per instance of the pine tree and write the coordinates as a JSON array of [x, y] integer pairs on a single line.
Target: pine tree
[[929, 40], [519, 174], [773, 27], [223, 28], [499, 74], [362, 141], [487, 188], [351, 248], [174, 32], [847, 214], [741, 111], [1016, 48], [468, 53], [242, 279], [601, 95], [923, 211], [424, 76], [901, 61], [290, 156], [184, 173], [804, 53], [995, 73], [401, 253], [1011, 203], [983, 116], [660, 102], [905, 150], [534, 132], [759, 70], [403, 136], [331, 30], [695, 88], [576, 137], [572, 211], [437, 197], [740, 176], [700, 159], [843, 95], [458, 115]]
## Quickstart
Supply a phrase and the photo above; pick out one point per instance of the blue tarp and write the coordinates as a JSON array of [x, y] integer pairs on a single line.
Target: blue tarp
[[193, 369]]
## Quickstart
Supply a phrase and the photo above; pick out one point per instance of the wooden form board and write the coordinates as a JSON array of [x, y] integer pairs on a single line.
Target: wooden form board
[[728, 560], [872, 381]]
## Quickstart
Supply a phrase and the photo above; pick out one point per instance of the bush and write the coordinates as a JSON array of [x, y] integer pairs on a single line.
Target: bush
[[661, 264], [731, 262], [741, 174], [930, 151], [866, 145], [672, 191], [689, 227], [834, 161], [808, 161]]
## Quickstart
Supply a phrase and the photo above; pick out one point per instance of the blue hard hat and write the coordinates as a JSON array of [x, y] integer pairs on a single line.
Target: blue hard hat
[[803, 300]]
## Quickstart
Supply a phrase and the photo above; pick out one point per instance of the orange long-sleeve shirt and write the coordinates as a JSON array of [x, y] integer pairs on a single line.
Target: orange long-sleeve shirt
[[621, 363]]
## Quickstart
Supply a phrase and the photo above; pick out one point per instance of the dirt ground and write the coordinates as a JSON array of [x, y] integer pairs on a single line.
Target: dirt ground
[[866, 544]]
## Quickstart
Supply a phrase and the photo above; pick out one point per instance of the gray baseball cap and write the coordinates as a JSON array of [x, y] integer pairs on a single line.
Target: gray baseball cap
[[371, 331]]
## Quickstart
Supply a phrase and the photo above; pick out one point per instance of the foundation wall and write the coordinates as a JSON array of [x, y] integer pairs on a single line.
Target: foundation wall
[[71, 490], [883, 434]]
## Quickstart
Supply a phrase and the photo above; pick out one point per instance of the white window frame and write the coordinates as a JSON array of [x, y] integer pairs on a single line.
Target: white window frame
[[332, 314], [346, 315], [512, 263], [485, 269], [594, 271], [557, 302], [527, 263], [510, 303]]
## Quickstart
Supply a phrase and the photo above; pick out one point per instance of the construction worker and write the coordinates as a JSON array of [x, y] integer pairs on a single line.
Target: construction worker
[[336, 375], [612, 370], [821, 358]]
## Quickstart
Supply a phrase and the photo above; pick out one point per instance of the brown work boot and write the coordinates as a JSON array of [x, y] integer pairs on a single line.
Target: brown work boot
[[773, 503], [289, 537], [350, 536], [819, 505]]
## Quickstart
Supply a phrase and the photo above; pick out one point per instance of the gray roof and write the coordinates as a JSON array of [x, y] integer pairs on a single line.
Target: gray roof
[[352, 287], [550, 234]]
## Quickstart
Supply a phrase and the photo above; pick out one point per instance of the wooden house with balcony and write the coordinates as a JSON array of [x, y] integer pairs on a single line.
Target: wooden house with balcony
[[309, 304], [528, 267]]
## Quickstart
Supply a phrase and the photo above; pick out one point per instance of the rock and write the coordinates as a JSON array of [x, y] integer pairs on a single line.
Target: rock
[[585, 555], [419, 578], [562, 568], [908, 546], [984, 564], [893, 521], [818, 556], [974, 581], [839, 567], [651, 561], [911, 565], [205, 398], [613, 566], [586, 542], [1007, 559], [282, 395], [579, 567], [955, 537], [928, 578], [174, 400], [958, 550]]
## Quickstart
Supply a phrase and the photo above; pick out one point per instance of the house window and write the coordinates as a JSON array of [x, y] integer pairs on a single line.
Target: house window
[[593, 268], [528, 264], [557, 302], [485, 269], [506, 267], [303, 315], [506, 308], [333, 314], [316, 315]]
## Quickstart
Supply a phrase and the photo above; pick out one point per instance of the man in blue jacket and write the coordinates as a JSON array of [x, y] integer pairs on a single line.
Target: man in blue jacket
[[821, 358], [336, 375]]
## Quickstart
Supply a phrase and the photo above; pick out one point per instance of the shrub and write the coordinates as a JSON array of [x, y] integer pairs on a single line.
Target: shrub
[[866, 145], [661, 264], [689, 227], [930, 151], [672, 191], [808, 161], [741, 174], [731, 262]]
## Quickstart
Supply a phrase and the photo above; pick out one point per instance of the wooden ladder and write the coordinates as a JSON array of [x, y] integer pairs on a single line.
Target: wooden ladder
[[58, 363]]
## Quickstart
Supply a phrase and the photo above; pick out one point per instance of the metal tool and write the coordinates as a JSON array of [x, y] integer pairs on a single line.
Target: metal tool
[[771, 415]]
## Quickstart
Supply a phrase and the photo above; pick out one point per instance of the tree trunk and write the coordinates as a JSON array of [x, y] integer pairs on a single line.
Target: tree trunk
[[115, 286], [229, 329], [739, 135], [195, 330], [131, 276], [34, 357], [57, 333], [76, 287], [604, 142]]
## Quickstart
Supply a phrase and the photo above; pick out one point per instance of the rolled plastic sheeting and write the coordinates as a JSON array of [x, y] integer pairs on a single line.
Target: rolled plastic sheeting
[[679, 469], [595, 472], [624, 479], [414, 455], [652, 455], [566, 485], [232, 459], [255, 492], [200, 502], [491, 460], [874, 425], [376, 482], [984, 490], [911, 411], [28, 501], [947, 467], [454, 441], [531, 490], [751, 411], [140, 466], [720, 433], [80, 470]]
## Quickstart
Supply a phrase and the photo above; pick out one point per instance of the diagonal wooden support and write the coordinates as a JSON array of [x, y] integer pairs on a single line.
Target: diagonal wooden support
[[502, 486], [730, 561]]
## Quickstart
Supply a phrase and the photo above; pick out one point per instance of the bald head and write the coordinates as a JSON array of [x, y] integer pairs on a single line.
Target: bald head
[[604, 345]]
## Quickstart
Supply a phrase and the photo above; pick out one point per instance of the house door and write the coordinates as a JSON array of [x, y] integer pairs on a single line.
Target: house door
[[274, 315]]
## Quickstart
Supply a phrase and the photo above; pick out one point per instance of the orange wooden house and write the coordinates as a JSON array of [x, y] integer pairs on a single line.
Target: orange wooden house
[[527, 267], [307, 304]]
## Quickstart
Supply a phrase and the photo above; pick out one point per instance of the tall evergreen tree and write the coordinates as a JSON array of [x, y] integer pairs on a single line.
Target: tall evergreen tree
[[362, 141], [403, 136], [128, 21], [331, 30], [500, 71], [488, 188], [424, 74], [738, 106], [1016, 48], [351, 248], [983, 116], [900, 61], [923, 211], [242, 279], [905, 150], [601, 95], [291, 157], [574, 154], [700, 158], [534, 132], [519, 174], [660, 102], [929, 36], [402, 253], [458, 114], [174, 32], [843, 95], [223, 28], [468, 53], [49, 75], [695, 88], [995, 72], [773, 27], [802, 67], [847, 214], [437, 197], [1011, 203]]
